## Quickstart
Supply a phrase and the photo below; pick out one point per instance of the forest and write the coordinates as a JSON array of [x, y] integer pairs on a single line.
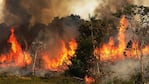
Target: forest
[[107, 48]]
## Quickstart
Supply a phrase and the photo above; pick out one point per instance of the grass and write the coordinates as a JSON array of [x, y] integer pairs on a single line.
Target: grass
[[38, 80], [51, 80]]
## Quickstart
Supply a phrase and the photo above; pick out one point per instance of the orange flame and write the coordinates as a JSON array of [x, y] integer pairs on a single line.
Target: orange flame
[[16, 56], [111, 52], [60, 62], [89, 80]]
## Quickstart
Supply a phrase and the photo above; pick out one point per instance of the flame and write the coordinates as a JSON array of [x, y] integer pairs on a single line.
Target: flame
[[89, 80], [16, 56], [111, 52], [60, 62]]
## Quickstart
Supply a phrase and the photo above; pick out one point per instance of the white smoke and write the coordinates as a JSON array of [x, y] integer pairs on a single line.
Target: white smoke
[[125, 69]]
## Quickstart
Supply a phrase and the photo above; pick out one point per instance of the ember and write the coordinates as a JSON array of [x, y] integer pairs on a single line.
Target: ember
[[89, 80]]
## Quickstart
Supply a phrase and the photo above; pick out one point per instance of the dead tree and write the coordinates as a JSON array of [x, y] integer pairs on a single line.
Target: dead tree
[[98, 64], [37, 46], [140, 31]]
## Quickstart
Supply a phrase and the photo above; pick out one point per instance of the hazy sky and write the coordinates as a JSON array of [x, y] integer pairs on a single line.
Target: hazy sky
[[85, 8], [1, 12]]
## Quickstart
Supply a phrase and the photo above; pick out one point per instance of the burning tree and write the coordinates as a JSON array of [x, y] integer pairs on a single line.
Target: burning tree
[[51, 48], [120, 50], [37, 46], [141, 32], [16, 56], [68, 43]]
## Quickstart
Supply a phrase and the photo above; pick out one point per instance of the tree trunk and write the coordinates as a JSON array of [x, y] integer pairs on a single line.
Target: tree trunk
[[34, 64]]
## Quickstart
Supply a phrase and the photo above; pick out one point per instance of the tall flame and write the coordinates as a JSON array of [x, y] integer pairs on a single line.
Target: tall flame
[[16, 56], [60, 62], [111, 52]]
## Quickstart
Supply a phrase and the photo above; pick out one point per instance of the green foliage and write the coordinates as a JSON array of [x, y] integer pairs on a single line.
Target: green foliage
[[80, 63], [102, 29], [84, 62]]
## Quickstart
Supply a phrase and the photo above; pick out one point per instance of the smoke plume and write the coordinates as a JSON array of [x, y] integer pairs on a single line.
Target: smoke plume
[[107, 8], [43, 11]]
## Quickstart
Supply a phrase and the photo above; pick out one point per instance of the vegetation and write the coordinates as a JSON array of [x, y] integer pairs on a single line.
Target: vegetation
[[38, 80], [84, 62]]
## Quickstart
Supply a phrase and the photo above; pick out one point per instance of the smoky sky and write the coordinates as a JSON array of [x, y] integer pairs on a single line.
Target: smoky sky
[[43, 11], [23, 11]]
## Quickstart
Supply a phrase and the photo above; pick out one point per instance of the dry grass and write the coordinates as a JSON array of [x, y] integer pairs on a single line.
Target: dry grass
[[38, 80]]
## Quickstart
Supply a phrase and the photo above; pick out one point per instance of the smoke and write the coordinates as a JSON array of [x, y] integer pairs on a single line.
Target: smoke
[[107, 8], [14, 71], [142, 2], [55, 38], [51, 40], [43, 11], [25, 12], [16, 12], [127, 68]]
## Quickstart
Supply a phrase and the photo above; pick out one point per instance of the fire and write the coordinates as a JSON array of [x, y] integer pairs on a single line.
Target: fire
[[111, 52], [60, 62], [16, 56], [19, 58], [89, 80]]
